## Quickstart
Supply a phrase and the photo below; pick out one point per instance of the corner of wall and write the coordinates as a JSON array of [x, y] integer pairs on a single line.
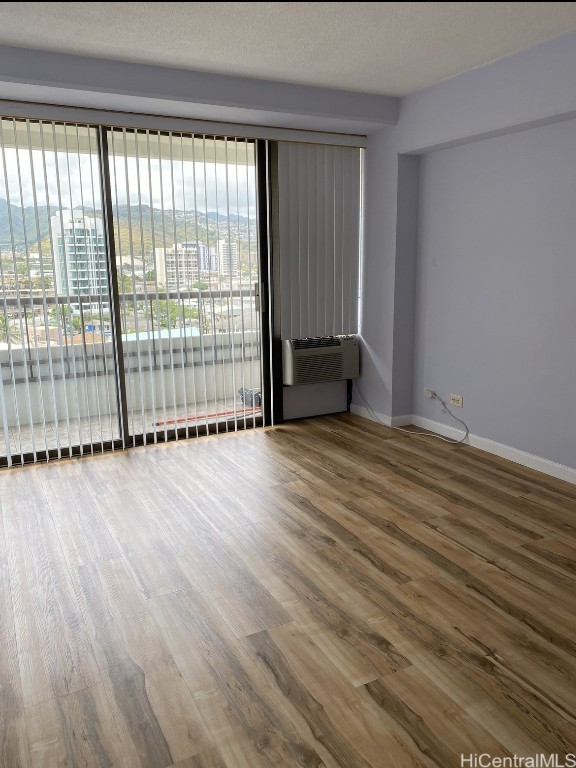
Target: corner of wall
[[407, 212]]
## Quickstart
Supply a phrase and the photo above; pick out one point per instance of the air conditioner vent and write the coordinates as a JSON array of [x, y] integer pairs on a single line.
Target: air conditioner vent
[[313, 360], [316, 342], [315, 368]]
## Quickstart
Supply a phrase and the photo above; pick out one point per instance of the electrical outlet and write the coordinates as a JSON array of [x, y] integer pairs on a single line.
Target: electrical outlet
[[428, 392], [457, 401]]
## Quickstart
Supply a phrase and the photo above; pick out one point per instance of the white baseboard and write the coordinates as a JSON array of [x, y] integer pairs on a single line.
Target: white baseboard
[[538, 463], [359, 410], [382, 418], [444, 429], [401, 421], [546, 466]]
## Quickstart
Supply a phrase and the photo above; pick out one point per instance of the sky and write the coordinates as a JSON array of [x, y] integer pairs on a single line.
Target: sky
[[70, 180]]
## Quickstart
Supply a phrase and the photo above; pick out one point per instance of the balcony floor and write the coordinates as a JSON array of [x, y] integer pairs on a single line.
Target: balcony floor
[[61, 434]]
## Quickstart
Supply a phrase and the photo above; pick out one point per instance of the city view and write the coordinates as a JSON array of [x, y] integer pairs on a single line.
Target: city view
[[70, 262], [185, 239]]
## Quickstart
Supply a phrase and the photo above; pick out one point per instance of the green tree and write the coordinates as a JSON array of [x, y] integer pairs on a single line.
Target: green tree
[[8, 331], [125, 283], [65, 318], [171, 314]]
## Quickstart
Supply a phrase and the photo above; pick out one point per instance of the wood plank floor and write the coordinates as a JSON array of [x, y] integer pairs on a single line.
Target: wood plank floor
[[326, 593]]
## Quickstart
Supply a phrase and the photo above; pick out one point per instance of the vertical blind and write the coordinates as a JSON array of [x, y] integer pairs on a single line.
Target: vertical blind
[[57, 389], [319, 215], [184, 210], [129, 277]]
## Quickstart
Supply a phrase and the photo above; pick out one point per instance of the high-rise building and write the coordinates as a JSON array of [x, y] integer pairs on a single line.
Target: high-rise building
[[207, 259], [183, 264], [228, 254], [80, 257]]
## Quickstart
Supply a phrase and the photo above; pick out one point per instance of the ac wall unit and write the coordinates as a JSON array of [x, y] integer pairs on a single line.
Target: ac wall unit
[[324, 358]]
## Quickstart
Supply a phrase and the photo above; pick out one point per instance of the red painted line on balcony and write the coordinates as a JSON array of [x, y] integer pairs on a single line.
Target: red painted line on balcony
[[237, 412]]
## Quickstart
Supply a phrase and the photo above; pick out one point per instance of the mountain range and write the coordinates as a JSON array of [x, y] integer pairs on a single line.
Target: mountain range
[[23, 223], [138, 227]]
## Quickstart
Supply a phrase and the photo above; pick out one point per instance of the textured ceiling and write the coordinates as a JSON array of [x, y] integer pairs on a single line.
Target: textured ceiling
[[385, 48]]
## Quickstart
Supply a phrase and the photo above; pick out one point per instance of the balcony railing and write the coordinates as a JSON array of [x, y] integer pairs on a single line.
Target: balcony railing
[[165, 364]]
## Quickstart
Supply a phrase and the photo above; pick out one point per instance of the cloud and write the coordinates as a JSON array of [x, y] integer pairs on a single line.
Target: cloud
[[72, 180], [47, 178], [185, 186]]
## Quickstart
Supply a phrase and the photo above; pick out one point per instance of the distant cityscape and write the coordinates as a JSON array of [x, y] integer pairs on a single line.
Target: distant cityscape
[[72, 263]]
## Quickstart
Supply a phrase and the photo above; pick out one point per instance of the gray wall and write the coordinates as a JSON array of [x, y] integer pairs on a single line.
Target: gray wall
[[82, 81], [521, 205], [405, 280], [496, 288]]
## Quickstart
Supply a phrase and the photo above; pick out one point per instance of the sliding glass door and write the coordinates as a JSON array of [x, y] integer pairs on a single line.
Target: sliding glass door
[[129, 287], [185, 218], [58, 382]]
